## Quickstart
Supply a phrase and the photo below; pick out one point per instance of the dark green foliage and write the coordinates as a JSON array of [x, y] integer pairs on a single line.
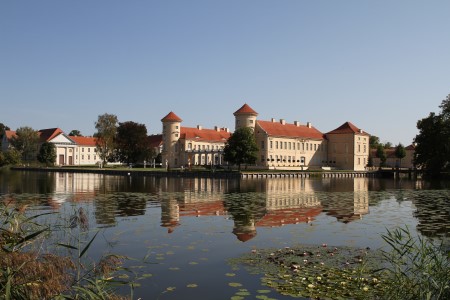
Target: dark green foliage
[[432, 152], [132, 143], [75, 133], [381, 154], [47, 154], [400, 152], [241, 147], [374, 141], [26, 141]]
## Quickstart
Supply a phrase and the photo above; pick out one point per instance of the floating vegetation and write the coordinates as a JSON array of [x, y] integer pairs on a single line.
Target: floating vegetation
[[318, 271]]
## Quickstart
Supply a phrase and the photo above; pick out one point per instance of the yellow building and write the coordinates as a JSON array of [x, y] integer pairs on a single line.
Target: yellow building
[[281, 145]]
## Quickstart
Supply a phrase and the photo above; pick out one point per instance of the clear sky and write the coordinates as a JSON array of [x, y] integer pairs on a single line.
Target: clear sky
[[382, 65]]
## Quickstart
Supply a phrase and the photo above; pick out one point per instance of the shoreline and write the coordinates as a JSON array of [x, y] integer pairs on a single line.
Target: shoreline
[[254, 174]]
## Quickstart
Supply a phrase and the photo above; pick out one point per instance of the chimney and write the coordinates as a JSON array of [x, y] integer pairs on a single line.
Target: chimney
[[282, 121], [273, 120], [199, 127], [308, 124], [216, 128], [297, 123], [361, 131]]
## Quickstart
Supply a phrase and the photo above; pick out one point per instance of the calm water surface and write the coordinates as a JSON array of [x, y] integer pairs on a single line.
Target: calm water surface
[[182, 233]]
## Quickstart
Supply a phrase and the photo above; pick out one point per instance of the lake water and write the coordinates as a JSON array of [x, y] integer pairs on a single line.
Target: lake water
[[181, 233]]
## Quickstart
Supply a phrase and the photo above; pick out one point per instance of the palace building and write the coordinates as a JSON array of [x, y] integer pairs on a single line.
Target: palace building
[[282, 145]]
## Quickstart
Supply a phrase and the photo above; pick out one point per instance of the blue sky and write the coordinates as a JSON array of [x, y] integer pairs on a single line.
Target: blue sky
[[382, 65]]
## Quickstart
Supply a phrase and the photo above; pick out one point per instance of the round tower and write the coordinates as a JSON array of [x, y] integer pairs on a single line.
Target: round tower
[[170, 136], [245, 117]]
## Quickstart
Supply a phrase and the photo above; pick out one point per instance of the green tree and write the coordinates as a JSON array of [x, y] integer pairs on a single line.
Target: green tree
[[47, 154], [106, 126], [3, 127], [400, 152], [387, 145], [241, 147], [374, 141], [432, 151], [10, 157], [26, 141], [381, 154], [132, 143], [75, 133]]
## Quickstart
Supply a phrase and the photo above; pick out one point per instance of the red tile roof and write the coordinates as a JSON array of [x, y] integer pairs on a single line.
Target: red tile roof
[[210, 135], [46, 135], [289, 216], [245, 110], [9, 134], [171, 117], [290, 130], [346, 128], [84, 140], [155, 140]]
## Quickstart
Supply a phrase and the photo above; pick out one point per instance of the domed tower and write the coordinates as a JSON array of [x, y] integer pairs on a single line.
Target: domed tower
[[171, 134], [245, 117]]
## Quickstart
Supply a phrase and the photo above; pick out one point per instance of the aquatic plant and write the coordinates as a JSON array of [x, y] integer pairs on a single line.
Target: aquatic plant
[[416, 267], [28, 272]]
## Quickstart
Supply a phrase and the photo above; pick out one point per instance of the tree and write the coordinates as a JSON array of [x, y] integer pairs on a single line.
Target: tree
[[47, 154], [132, 143], [400, 152], [241, 147], [10, 157], [374, 141], [75, 133], [381, 154], [106, 126], [432, 151], [3, 127], [388, 145], [26, 141]]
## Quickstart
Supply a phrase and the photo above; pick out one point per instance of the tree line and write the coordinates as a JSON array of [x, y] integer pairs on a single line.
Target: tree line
[[125, 142], [128, 142]]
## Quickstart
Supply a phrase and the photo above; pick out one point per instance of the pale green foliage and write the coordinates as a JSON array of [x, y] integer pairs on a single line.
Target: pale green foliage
[[26, 141], [106, 126]]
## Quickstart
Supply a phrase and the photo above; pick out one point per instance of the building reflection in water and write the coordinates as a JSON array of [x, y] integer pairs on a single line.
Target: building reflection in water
[[352, 200], [249, 203]]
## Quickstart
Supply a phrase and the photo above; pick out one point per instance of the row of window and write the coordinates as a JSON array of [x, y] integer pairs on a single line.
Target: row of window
[[284, 159], [294, 146], [204, 147]]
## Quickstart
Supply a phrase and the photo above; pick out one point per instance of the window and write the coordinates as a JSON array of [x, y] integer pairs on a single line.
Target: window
[[307, 147], [276, 144], [359, 160], [95, 157], [89, 157], [176, 127], [176, 134], [315, 147], [89, 149], [82, 157], [271, 144], [289, 145], [365, 149], [251, 121], [262, 158], [285, 145], [281, 145], [359, 148], [82, 149], [189, 146], [262, 145]]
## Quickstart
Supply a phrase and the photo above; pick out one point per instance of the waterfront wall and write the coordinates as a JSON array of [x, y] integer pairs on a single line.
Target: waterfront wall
[[210, 174]]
